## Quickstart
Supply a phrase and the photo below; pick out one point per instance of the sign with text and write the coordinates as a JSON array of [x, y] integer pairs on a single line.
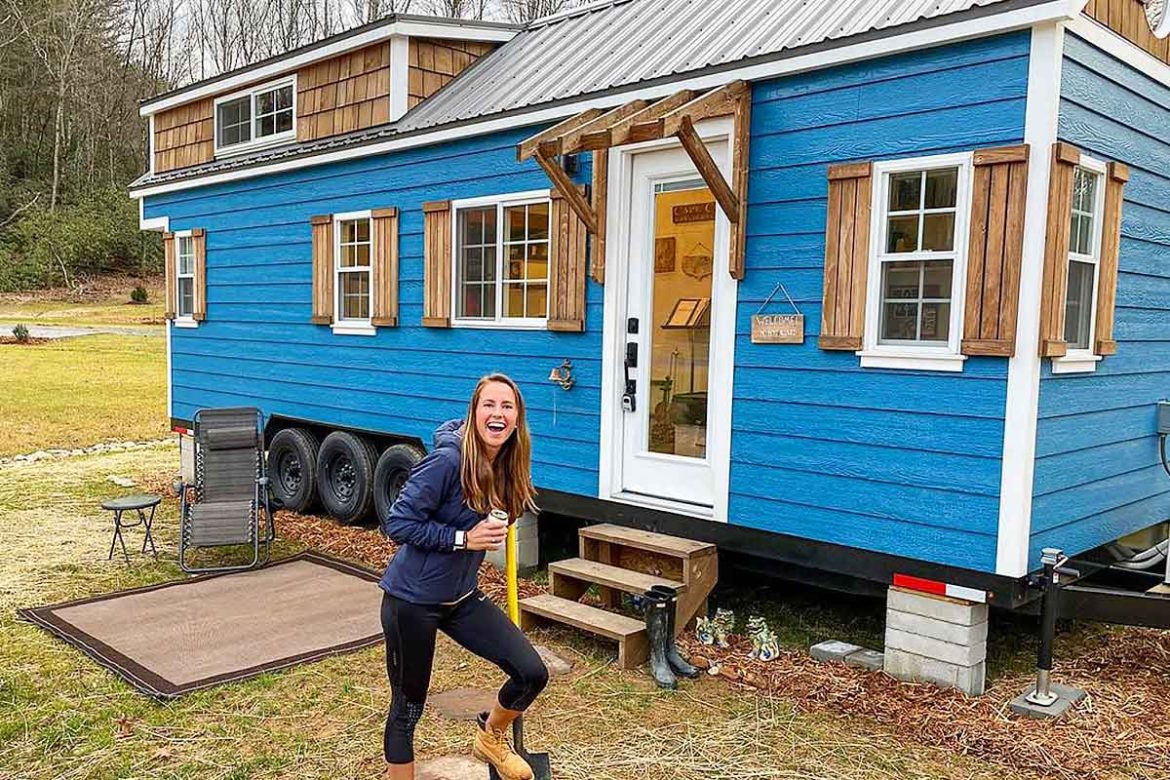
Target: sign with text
[[694, 212], [778, 329]]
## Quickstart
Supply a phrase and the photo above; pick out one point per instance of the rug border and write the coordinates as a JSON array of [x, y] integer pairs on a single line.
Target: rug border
[[159, 687]]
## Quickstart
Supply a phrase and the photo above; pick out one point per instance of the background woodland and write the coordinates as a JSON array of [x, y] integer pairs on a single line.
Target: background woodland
[[72, 73]]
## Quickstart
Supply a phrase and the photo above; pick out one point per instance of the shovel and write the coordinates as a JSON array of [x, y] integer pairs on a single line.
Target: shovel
[[541, 767]]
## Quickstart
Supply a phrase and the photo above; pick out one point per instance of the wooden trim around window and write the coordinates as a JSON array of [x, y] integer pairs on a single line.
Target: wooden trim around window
[[437, 264], [384, 232], [1117, 176], [322, 269], [170, 272], [1065, 159], [199, 291], [847, 228], [995, 251]]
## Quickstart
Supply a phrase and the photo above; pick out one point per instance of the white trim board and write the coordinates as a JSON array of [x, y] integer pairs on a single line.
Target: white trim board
[[1054, 10], [464, 32], [1023, 380], [1113, 44]]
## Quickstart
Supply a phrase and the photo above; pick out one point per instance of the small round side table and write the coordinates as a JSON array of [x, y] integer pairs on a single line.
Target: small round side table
[[137, 504]]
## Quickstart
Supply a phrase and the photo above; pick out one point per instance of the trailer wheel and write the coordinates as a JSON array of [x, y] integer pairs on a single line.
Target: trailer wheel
[[292, 468], [393, 469], [345, 476]]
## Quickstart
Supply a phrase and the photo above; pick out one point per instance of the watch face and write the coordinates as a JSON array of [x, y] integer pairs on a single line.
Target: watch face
[[1156, 15]]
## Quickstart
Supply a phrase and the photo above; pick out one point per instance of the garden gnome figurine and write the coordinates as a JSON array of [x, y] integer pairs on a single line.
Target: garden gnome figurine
[[724, 625], [765, 645]]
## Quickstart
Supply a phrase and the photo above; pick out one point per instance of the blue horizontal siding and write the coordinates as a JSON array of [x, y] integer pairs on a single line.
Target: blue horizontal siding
[[1098, 475], [900, 462]]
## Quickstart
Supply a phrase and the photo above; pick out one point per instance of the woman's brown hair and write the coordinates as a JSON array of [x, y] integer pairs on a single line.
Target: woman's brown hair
[[505, 483]]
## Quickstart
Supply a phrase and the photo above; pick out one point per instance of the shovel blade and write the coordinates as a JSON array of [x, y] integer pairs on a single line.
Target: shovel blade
[[540, 763]]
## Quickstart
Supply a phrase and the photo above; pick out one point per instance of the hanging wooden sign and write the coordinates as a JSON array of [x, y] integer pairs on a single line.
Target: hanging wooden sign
[[693, 212], [778, 328]]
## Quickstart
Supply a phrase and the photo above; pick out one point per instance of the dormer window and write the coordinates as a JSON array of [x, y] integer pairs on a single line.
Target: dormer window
[[260, 116]]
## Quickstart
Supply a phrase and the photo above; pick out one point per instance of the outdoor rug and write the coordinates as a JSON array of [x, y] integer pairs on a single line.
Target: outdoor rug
[[178, 637]]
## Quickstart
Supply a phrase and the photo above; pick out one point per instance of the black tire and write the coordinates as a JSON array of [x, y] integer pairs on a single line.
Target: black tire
[[345, 476], [292, 469], [393, 468]]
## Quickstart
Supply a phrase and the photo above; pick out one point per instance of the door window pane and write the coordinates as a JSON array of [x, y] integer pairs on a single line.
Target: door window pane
[[680, 326]]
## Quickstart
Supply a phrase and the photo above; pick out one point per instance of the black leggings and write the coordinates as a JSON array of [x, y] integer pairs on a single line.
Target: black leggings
[[476, 624]]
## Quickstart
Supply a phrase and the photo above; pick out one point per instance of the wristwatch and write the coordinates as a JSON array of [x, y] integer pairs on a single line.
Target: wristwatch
[[460, 541]]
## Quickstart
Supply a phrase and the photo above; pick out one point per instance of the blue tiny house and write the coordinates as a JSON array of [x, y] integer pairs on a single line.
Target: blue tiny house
[[952, 217]]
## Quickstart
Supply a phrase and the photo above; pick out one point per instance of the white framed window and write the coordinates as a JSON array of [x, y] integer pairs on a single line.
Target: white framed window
[[918, 263], [353, 272], [501, 255], [185, 279], [256, 117], [1084, 268]]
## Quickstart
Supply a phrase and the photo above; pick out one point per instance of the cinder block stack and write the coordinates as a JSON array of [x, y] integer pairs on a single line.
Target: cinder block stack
[[936, 639]]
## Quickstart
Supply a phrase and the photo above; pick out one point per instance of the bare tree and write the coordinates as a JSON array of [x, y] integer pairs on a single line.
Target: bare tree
[[526, 10]]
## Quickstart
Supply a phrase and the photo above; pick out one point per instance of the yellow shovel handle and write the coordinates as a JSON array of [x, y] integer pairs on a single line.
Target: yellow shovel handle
[[510, 564]]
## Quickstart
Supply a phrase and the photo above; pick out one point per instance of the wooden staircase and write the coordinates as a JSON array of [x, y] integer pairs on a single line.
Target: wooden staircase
[[624, 560]]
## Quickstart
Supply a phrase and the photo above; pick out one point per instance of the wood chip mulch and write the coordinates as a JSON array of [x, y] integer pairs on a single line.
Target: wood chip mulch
[[1121, 729]]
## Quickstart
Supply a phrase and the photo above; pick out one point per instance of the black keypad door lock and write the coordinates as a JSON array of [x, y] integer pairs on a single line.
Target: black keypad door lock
[[629, 402]]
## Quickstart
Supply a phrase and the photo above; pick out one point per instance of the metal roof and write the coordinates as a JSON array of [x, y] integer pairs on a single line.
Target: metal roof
[[619, 44], [606, 46]]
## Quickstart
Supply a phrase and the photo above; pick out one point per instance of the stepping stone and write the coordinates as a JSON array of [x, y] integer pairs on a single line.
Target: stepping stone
[[873, 660], [451, 768], [557, 666], [463, 703], [833, 650]]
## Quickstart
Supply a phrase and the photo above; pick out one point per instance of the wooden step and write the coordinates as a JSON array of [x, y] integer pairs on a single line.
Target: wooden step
[[646, 540], [609, 576], [630, 634]]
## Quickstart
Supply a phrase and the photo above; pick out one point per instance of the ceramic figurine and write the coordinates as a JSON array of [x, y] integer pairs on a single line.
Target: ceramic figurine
[[724, 626], [705, 630], [765, 645]]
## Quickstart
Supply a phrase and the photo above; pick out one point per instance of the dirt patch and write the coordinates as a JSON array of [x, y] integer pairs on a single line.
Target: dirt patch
[[110, 286], [29, 342]]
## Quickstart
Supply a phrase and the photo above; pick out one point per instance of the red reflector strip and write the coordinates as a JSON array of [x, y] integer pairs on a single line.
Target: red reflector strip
[[939, 588], [182, 430]]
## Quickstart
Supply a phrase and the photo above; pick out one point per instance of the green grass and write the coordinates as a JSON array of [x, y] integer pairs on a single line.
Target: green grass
[[109, 306], [80, 391]]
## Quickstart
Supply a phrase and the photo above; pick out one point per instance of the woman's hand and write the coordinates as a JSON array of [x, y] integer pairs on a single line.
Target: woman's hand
[[488, 535]]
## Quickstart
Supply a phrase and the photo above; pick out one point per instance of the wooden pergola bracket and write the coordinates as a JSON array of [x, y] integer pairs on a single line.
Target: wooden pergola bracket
[[708, 169], [530, 146], [649, 119], [595, 134], [716, 103], [565, 186]]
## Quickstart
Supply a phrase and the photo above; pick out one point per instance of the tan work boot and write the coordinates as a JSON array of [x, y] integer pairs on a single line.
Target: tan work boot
[[492, 747]]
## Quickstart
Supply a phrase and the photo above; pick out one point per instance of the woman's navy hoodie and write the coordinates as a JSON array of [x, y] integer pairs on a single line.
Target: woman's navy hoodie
[[427, 569]]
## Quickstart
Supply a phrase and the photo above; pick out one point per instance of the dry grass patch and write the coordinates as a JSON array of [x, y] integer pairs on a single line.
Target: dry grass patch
[[324, 720], [76, 392], [107, 303]]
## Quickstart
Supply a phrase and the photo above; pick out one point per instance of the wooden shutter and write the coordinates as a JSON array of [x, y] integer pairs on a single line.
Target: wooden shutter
[[199, 295], [1065, 160], [995, 251], [171, 278], [1115, 181], [384, 226], [566, 270], [322, 269], [437, 264], [846, 256]]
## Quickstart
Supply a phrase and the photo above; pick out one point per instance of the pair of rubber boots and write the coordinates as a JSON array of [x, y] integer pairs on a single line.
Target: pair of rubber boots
[[665, 661]]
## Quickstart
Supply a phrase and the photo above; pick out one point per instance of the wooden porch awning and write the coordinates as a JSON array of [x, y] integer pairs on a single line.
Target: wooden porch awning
[[596, 130]]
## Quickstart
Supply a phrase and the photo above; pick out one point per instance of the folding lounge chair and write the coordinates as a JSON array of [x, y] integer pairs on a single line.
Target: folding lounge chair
[[231, 489]]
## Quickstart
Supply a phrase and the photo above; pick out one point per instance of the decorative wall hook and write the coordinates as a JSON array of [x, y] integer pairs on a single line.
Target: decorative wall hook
[[563, 375]]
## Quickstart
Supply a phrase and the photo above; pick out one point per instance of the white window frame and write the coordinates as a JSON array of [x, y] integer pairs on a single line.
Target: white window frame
[[501, 202], [255, 143], [184, 320], [943, 357], [342, 326], [1084, 361]]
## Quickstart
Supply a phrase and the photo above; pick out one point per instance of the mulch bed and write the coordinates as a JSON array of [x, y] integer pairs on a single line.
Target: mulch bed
[[1121, 729], [29, 342]]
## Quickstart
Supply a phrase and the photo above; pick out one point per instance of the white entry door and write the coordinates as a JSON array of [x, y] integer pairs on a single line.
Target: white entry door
[[676, 286]]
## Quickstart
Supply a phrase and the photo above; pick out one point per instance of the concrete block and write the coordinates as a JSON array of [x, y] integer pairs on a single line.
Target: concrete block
[[948, 652], [833, 650], [1067, 697], [903, 665], [955, 633], [964, 613], [873, 660], [187, 458]]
